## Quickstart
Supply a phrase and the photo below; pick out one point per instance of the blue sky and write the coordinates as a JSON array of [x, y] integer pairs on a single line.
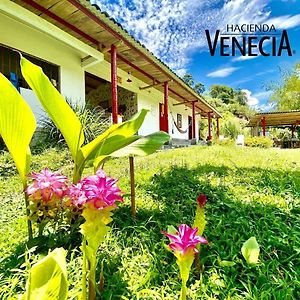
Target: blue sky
[[174, 31]]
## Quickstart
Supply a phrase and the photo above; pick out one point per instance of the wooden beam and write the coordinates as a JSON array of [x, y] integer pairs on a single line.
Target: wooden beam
[[153, 85], [181, 103], [88, 61], [114, 84]]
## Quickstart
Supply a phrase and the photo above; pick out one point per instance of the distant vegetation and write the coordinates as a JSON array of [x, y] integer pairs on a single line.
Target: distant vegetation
[[286, 93], [231, 103]]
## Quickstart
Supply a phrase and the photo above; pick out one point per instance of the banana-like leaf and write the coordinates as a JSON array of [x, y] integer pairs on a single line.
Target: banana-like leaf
[[110, 138], [17, 125], [141, 146], [55, 105], [144, 146], [48, 278], [250, 251]]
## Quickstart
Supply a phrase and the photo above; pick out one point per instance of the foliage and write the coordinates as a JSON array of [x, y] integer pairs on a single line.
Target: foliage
[[225, 142], [93, 120], [249, 190], [48, 278], [65, 119], [17, 125], [49, 188], [231, 128], [286, 94], [259, 141], [227, 99], [250, 251], [198, 87], [223, 92]]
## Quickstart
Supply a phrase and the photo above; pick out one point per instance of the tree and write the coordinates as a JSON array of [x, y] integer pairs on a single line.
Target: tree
[[223, 92], [286, 95], [188, 79], [198, 87], [240, 97]]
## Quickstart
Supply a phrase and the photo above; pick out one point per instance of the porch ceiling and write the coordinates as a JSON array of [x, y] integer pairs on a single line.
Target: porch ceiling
[[87, 23], [276, 118]]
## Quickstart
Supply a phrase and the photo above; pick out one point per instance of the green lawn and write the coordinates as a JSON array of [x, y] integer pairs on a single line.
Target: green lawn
[[251, 192]]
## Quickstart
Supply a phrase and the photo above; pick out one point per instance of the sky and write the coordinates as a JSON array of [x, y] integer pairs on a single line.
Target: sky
[[174, 30]]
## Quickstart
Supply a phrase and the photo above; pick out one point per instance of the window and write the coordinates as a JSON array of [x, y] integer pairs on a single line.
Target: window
[[179, 120], [10, 66]]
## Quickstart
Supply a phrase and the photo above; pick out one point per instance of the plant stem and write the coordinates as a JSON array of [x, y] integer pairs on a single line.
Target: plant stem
[[92, 283], [84, 269], [183, 291], [76, 175], [29, 225]]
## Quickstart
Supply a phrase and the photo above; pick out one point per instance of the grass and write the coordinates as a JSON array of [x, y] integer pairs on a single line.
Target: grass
[[251, 192]]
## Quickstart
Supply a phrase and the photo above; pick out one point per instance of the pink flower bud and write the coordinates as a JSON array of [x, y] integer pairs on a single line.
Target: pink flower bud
[[201, 200]]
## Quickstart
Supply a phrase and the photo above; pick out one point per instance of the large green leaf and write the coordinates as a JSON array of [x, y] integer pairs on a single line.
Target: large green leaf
[[17, 125], [144, 146], [250, 251], [55, 105], [110, 138], [135, 146], [48, 278]]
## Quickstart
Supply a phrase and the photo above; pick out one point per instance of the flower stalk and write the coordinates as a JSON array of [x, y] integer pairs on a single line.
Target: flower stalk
[[183, 245], [96, 196], [200, 223]]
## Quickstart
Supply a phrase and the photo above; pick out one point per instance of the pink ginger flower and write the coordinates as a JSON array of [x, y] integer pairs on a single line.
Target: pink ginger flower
[[202, 200], [99, 190], [185, 239], [47, 185]]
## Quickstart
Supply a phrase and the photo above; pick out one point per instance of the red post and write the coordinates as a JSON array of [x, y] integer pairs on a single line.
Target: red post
[[166, 94], [114, 84], [218, 128], [194, 120], [263, 124], [209, 126]]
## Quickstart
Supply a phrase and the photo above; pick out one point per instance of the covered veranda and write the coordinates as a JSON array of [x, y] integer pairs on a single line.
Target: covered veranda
[[86, 22], [287, 119]]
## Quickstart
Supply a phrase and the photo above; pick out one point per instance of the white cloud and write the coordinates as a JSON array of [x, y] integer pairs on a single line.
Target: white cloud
[[262, 95], [285, 22], [266, 107], [245, 57], [173, 29], [251, 100], [222, 72]]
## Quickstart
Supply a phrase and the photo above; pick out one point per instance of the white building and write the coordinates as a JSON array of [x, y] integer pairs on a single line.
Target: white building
[[90, 57]]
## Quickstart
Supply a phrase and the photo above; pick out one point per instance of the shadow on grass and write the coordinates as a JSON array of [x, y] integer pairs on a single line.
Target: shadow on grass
[[231, 221]]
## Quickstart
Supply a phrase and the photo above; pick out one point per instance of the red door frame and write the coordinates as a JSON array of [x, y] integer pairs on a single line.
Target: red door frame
[[190, 122], [162, 126]]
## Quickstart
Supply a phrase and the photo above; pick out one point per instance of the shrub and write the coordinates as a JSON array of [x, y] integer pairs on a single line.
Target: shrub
[[94, 121], [259, 141], [231, 128], [225, 142]]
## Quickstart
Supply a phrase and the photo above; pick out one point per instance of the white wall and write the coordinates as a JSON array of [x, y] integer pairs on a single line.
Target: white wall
[[17, 35], [31, 41], [148, 99]]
